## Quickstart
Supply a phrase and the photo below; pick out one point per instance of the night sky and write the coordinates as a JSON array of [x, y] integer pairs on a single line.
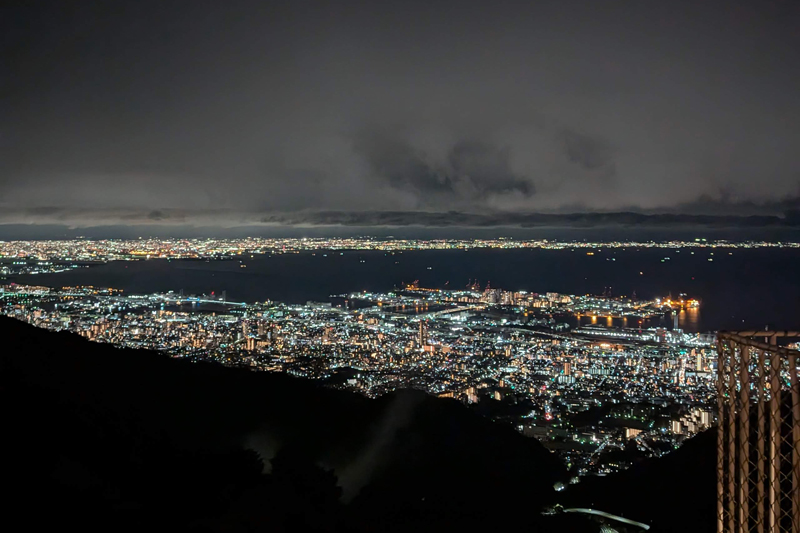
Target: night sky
[[243, 111]]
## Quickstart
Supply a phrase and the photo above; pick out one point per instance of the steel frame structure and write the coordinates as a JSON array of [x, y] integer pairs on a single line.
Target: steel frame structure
[[758, 434]]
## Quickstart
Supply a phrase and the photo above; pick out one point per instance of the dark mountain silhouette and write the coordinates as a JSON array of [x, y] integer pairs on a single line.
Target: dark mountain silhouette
[[674, 493], [113, 439]]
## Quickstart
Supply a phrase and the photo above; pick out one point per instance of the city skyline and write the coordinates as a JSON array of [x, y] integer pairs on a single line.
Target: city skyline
[[652, 386]]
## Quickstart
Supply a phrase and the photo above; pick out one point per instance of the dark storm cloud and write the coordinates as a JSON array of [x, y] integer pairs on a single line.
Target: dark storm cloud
[[587, 152], [176, 110], [468, 171], [402, 166], [487, 168]]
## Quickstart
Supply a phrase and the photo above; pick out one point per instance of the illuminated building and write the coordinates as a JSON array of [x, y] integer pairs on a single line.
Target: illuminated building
[[632, 432]]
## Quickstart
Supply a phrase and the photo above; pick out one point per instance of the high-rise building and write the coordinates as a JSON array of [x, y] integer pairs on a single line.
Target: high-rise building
[[507, 298], [422, 337], [491, 296]]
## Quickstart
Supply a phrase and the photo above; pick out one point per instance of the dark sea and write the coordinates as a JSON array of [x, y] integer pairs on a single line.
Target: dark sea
[[739, 289]]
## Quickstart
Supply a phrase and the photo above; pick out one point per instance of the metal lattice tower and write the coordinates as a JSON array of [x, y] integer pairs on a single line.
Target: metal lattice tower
[[758, 438]]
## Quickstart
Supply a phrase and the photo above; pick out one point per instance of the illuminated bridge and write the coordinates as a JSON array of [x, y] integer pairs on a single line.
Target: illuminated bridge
[[422, 307], [196, 300], [456, 310]]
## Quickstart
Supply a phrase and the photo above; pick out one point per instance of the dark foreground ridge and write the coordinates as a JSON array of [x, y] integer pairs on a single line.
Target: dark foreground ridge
[[100, 438]]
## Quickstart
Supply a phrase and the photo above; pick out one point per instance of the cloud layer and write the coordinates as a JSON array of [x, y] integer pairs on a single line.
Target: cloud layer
[[223, 218], [160, 110]]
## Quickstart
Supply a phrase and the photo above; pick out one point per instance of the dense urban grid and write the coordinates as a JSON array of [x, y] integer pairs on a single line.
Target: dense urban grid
[[45, 256], [597, 395]]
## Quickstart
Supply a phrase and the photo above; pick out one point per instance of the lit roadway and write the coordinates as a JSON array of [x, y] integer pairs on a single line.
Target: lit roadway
[[608, 515]]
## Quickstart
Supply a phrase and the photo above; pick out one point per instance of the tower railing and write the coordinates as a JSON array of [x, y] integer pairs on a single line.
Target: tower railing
[[758, 437]]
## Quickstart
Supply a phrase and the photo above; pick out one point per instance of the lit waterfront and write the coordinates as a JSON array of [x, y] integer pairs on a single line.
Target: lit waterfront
[[730, 300]]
